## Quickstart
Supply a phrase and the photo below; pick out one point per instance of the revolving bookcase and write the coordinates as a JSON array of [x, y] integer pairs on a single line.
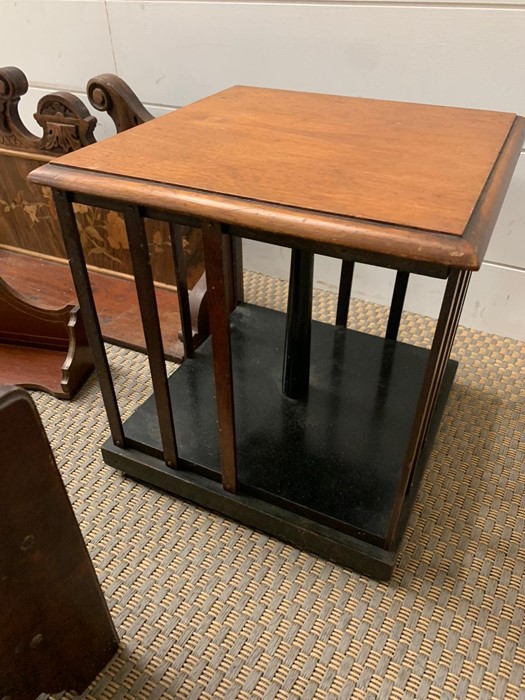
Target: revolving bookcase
[[314, 433]]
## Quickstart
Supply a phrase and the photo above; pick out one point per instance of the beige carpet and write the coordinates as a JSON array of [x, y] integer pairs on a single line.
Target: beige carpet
[[206, 608]]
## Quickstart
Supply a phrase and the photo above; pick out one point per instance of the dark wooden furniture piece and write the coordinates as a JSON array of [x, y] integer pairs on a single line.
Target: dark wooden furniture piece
[[40, 348], [28, 222], [322, 431], [56, 632], [48, 284]]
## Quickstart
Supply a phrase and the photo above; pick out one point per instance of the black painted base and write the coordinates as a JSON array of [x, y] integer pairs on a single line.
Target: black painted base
[[319, 473]]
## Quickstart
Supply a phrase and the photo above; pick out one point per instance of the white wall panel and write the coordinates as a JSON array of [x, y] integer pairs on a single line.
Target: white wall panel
[[177, 52], [440, 3], [57, 43], [28, 104], [173, 52], [495, 301], [507, 245]]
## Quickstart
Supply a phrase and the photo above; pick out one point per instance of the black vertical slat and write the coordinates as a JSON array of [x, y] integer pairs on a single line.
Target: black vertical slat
[[345, 289], [396, 307], [181, 278], [296, 369], [238, 280], [77, 263], [140, 260]]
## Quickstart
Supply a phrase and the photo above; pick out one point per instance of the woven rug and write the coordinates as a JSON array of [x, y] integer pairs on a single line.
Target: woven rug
[[207, 608]]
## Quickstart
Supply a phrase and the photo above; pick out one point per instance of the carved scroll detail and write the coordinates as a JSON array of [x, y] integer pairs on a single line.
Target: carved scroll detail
[[109, 93], [67, 125], [13, 84], [66, 122]]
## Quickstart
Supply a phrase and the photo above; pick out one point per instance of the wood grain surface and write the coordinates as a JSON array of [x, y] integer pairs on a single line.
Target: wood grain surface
[[427, 212], [27, 215], [406, 164], [49, 284]]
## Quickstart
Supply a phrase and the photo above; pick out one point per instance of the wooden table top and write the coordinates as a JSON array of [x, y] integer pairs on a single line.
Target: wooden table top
[[338, 171]]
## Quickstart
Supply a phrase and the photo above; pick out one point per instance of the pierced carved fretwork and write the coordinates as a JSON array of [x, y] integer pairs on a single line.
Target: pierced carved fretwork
[[66, 123]]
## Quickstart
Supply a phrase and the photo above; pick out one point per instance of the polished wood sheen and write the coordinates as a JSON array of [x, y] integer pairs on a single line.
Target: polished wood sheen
[[399, 179], [413, 187], [390, 161], [52, 356], [63, 124], [48, 284], [28, 221]]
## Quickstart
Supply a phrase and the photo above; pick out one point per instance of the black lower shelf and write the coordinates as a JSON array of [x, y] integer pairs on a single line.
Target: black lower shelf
[[326, 467]]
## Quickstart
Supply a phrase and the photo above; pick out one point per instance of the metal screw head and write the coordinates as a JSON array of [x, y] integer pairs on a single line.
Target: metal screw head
[[36, 641]]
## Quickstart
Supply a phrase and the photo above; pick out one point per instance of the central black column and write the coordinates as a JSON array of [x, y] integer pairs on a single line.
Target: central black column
[[296, 369]]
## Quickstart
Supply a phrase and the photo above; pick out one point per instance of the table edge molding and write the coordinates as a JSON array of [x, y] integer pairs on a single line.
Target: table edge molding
[[483, 219], [342, 236]]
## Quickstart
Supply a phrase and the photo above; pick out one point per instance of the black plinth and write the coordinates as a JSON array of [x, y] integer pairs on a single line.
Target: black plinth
[[320, 474]]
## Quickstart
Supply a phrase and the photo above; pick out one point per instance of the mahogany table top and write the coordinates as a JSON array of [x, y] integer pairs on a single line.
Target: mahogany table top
[[397, 179]]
